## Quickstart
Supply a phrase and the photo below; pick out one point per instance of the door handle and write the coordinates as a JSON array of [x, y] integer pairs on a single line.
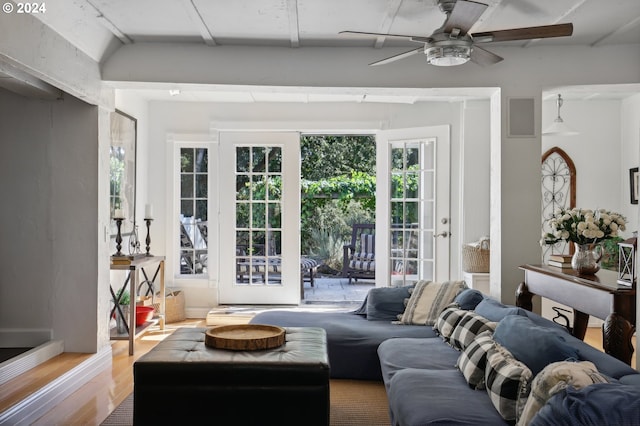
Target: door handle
[[443, 234]]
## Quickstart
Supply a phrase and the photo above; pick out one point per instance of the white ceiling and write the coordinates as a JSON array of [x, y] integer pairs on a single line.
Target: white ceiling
[[100, 27], [97, 27]]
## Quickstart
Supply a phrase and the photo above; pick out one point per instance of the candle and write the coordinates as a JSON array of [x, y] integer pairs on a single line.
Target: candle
[[118, 214], [148, 211]]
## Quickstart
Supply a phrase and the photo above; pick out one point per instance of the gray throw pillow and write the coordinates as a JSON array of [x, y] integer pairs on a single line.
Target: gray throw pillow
[[386, 303]]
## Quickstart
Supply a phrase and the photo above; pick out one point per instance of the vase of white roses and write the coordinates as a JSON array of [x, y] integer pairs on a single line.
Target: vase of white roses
[[586, 229]]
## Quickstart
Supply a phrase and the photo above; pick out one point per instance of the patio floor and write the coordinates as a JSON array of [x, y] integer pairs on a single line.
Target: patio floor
[[336, 290]]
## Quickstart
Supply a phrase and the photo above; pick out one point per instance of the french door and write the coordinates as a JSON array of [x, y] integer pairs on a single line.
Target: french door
[[412, 205], [259, 218]]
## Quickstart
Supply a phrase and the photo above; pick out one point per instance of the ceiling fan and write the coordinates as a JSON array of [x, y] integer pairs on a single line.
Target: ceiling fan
[[452, 44]]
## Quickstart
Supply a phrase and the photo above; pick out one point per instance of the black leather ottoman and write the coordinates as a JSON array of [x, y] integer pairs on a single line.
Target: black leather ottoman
[[182, 381]]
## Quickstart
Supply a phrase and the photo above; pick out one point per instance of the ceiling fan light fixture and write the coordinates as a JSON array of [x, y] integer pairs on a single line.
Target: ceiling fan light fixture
[[559, 127], [448, 55]]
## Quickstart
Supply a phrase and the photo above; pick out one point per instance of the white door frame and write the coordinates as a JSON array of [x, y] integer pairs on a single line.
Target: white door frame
[[288, 290], [441, 134]]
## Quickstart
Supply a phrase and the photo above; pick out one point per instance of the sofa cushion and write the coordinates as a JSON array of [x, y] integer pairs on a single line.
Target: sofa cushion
[[507, 381], [469, 298], [448, 320], [473, 359], [428, 299], [592, 405], [351, 339], [493, 310], [468, 328], [401, 353], [532, 344], [438, 397], [554, 378], [386, 303]]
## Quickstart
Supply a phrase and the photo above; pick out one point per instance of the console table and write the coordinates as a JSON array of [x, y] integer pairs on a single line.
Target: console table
[[599, 295], [136, 265]]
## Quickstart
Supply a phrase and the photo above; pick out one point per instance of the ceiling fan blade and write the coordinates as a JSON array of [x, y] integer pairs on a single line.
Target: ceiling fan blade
[[484, 57], [464, 15], [397, 57], [544, 31]]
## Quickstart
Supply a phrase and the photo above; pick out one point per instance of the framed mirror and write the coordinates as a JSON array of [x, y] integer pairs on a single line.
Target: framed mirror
[[122, 176]]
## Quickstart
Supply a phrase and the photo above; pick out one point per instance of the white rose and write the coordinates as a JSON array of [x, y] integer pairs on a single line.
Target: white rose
[[613, 226]]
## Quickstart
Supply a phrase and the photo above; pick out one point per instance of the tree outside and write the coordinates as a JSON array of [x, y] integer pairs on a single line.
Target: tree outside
[[338, 190]]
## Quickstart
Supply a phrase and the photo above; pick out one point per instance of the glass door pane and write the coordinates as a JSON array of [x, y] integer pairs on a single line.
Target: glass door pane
[[411, 206], [258, 204]]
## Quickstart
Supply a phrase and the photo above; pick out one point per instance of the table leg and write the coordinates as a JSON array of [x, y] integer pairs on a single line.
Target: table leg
[[132, 309], [580, 324], [616, 337], [524, 297]]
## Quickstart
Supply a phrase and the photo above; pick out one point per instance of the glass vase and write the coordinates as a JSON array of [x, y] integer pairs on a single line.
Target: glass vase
[[586, 259]]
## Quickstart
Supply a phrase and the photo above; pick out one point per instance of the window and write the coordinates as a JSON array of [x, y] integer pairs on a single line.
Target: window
[[194, 211]]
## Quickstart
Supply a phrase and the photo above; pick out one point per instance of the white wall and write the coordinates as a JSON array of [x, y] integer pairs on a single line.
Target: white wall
[[607, 146], [49, 250], [167, 118]]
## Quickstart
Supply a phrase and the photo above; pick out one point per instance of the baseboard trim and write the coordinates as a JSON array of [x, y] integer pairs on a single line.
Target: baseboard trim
[[196, 312], [37, 404], [26, 361]]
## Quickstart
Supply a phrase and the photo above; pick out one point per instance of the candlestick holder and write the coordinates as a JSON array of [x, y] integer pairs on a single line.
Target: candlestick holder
[[148, 239], [118, 236]]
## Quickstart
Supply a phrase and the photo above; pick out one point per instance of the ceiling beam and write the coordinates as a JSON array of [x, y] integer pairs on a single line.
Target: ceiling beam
[[390, 15], [110, 25], [199, 22], [559, 20], [294, 27], [624, 28]]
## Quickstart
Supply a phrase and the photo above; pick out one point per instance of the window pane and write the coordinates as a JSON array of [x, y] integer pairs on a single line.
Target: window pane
[[186, 186], [242, 187], [201, 210], [274, 215], [396, 185], [186, 208], [413, 156], [186, 160], [242, 215], [258, 188], [202, 160], [243, 157], [258, 214], [275, 160], [259, 159], [397, 159], [275, 188], [202, 187], [411, 185]]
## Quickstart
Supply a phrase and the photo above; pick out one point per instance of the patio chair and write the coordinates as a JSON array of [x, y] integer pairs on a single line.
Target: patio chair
[[359, 257]]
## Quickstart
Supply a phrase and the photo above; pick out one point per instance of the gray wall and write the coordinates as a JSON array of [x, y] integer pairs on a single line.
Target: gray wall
[[48, 221]]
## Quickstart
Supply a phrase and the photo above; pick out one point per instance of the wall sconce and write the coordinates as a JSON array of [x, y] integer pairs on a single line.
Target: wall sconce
[[627, 261]]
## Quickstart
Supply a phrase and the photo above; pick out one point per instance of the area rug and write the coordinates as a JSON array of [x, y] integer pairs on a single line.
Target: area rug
[[353, 403]]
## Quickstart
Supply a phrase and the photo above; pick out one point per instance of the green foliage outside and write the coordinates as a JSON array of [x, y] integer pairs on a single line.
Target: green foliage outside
[[338, 189]]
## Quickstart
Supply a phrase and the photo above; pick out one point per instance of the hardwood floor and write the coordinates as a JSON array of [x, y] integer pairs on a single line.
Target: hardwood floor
[[92, 403]]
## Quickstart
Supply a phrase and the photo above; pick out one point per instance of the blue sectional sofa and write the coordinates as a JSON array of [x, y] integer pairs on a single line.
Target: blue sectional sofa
[[458, 370]]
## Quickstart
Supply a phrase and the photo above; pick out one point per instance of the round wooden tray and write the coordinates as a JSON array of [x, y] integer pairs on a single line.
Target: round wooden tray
[[245, 337]]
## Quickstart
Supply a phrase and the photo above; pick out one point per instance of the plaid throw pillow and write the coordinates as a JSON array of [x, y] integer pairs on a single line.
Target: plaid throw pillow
[[428, 299], [508, 382], [448, 320], [468, 328], [473, 360]]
